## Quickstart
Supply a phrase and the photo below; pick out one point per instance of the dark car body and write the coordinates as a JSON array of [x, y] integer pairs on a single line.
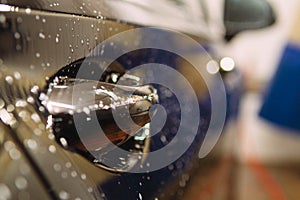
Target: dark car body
[[39, 38]]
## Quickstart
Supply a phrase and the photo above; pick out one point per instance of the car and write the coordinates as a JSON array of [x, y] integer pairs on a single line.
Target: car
[[112, 99]]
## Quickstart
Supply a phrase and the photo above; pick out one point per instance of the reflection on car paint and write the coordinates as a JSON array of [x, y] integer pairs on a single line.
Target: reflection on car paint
[[37, 47]]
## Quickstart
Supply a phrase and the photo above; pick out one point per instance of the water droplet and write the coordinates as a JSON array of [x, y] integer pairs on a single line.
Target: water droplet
[[42, 35], [2, 19], [17, 35], [10, 108], [64, 175], [182, 183], [68, 165], [36, 118], [17, 75], [83, 176], [27, 10], [41, 126], [37, 17], [57, 167], [37, 132], [14, 154], [44, 20], [2, 104], [35, 89], [30, 100], [8, 145], [51, 136], [9, 80], [18, 47], [140, 196], [163, 138], [63, 142], [24, 115], [21, 183], [5, 191], [21, 103], [37, 55], [170, 167], [63, 195], [32, 144], [42, 109], [57, 40], [52, 149], [73, 174], [86, 110]]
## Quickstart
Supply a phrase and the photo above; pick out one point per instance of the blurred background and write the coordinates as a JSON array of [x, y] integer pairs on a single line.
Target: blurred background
[[260, 156]]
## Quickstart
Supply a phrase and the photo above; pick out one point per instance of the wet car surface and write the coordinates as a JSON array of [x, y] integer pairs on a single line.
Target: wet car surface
[[42, 45]]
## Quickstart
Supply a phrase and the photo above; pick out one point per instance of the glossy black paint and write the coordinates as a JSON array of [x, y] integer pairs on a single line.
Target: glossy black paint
[[42, 43]]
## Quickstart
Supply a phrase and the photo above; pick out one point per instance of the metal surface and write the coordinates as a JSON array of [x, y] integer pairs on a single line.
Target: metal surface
[[35, 45], [177, 16], [38, 39]]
